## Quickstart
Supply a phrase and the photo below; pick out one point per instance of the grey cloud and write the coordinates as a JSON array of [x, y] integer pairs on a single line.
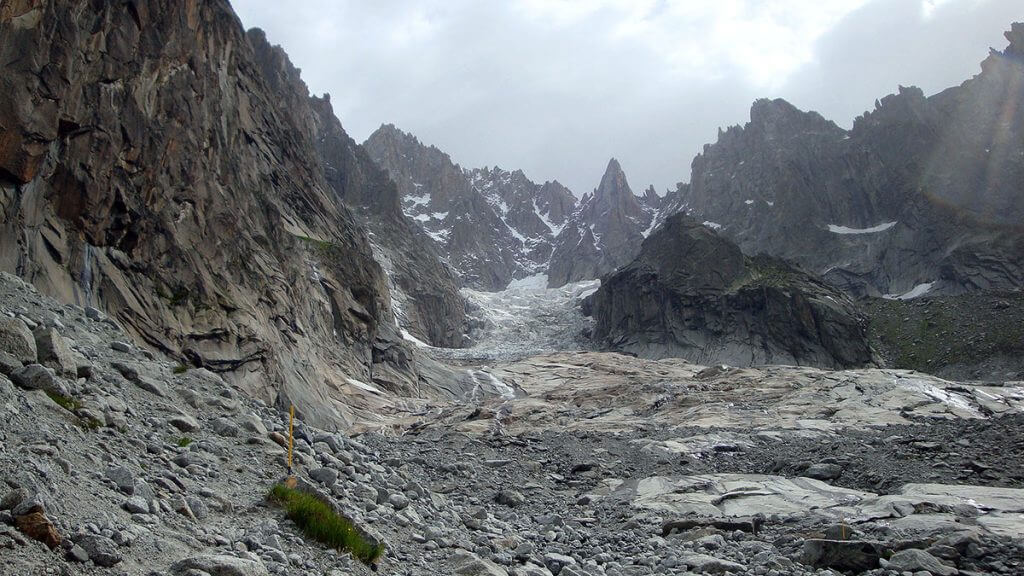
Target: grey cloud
[[491, 88]]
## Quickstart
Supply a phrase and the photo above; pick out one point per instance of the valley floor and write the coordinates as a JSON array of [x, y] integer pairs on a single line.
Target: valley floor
[[575, 463]]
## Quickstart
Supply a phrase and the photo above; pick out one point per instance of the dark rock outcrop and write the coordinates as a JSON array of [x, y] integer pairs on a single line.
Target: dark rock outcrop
[[604, 232], [693, 294], [921, 191], [156, 164]]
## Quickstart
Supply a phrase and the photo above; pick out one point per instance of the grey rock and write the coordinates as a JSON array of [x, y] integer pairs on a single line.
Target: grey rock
[[324, 475], [8, 363], [469, 564], [219, 565], [17, 340], [509, 498], [603, 233], [914, 560], [824, 471], [704, 564], [184, 422], [398, 501], [123, 478], [136, 505], [119, 346], [224, 427], [151, 386], [555, 562], [101, 550], [77, 554], [53, 351], [38, 377], [845, 555]]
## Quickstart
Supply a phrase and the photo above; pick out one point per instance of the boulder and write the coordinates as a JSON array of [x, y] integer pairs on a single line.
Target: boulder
[[53, 351], [17, 340], [915, 560], [844, 555], [101, 550], [469, 564], [37, 526], [38, 377], [219, 565]]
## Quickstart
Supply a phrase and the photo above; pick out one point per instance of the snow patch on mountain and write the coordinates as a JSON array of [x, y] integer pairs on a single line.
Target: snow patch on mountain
[[836, 229]]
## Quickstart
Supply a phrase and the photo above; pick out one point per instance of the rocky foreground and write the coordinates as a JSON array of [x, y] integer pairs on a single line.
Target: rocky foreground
[[114, 461]]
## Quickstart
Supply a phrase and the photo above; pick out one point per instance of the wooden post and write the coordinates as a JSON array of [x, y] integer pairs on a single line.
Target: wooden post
[[291, 435]]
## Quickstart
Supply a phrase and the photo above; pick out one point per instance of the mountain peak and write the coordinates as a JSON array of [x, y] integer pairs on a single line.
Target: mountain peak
[[613, 183], [1015, 35]]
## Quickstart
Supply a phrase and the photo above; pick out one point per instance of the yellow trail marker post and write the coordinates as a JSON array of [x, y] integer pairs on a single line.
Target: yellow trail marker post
[[290, 482]]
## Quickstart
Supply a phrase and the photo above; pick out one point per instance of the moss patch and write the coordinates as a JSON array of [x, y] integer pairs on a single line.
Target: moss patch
[[320, 522]]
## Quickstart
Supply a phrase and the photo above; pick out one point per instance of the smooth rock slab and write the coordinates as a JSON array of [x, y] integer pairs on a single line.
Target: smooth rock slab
[[220, 565], [914, 560], [704, 564]]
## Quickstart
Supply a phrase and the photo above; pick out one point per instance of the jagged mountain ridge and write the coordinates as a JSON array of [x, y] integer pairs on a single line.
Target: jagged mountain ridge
[[497, 226], [604, 232], [921, 194], [494, 225], [156, 164]]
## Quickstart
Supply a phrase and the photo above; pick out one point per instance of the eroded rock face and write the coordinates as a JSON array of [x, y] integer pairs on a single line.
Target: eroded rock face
[[922, 190], [693, 294], [153, 166], [435, 191], [604, 232], [424, 291]]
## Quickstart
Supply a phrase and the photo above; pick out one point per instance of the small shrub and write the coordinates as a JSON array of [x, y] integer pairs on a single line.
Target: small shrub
[[180, 369], [184, 442], [65, 402], [320, 522]]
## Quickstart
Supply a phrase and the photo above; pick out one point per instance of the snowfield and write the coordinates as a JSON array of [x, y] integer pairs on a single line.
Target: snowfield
[[836, 229]]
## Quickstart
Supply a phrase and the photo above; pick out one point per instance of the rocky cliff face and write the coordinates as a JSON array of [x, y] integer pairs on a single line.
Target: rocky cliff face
[[691, 293], [493, 225], [424, 291], [922, 192], [158, 165], [604, 232]]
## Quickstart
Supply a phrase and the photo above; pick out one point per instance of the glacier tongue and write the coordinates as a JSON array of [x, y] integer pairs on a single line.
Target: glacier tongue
[[523, 320]]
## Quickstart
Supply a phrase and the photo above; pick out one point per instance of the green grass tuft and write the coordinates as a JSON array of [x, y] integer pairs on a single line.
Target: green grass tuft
[[184, 442], [320, 522], [65, 402], [180, 369]]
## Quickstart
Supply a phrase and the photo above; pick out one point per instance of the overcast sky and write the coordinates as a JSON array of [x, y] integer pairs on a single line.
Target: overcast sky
[[556, 87]]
